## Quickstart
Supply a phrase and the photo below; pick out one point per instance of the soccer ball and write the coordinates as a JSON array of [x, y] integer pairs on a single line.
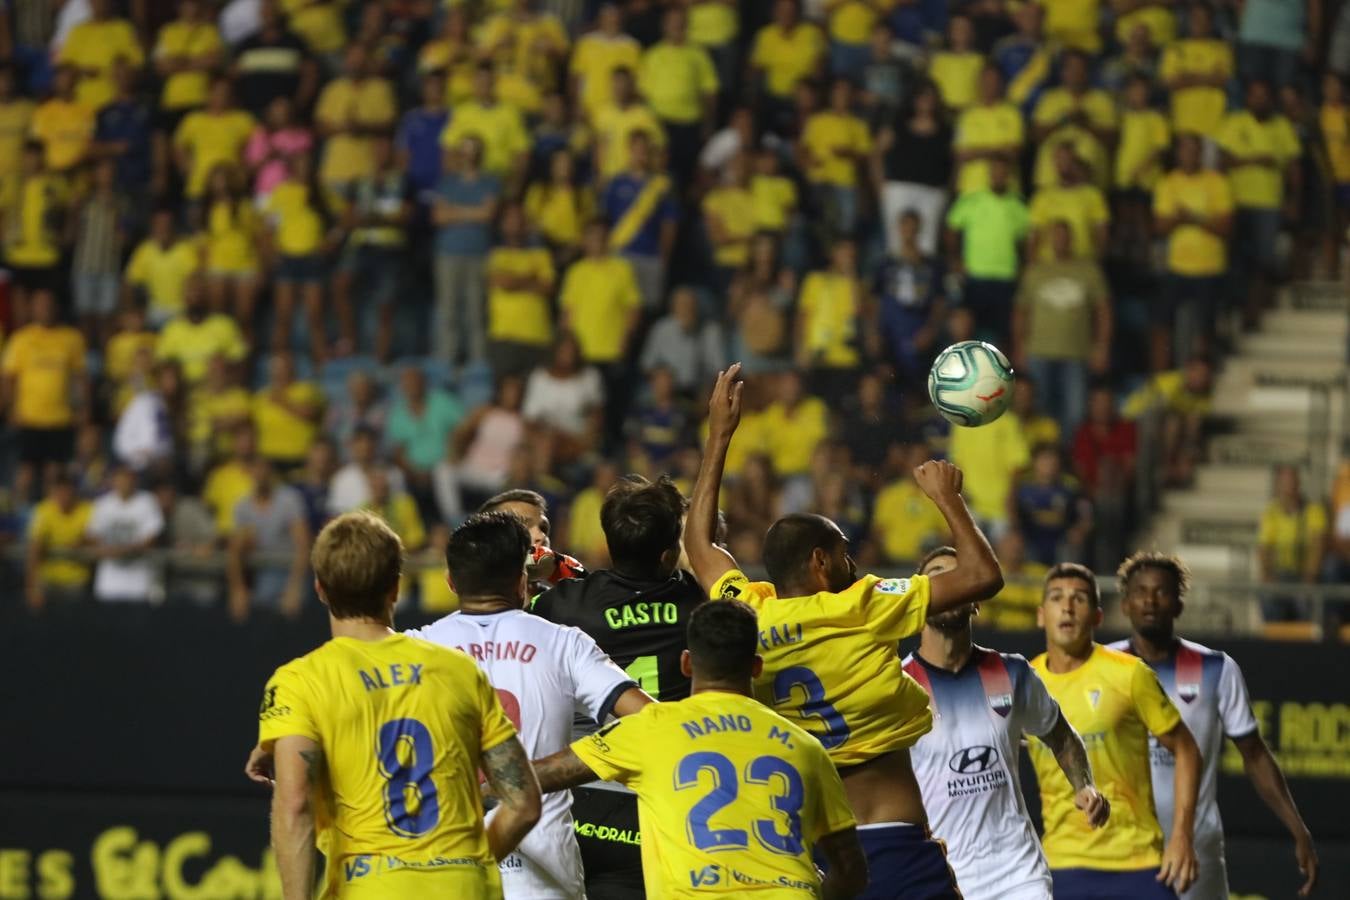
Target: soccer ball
[[971, 383]]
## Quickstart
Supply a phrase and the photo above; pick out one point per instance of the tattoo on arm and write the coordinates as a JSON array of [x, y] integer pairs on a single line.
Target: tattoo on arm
[[508, 771], [1070, 753], [561, 771], [314, 766]]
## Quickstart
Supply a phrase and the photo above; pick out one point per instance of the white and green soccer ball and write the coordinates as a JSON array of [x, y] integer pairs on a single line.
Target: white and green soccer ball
[[971, 383]]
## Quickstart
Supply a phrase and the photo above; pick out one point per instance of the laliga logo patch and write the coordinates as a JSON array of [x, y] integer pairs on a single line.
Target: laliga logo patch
[[893, 586]]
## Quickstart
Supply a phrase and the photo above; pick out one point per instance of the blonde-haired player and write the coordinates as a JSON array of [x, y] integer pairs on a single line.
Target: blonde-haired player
[[377, 739]]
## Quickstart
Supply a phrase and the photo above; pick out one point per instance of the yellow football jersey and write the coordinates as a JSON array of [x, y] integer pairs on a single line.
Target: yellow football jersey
[[831, 661], [403, 725], [731, 796], [1113, 701]]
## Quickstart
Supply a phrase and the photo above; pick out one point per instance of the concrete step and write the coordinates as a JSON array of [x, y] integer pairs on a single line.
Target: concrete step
[[1256, 371], [1275, 345], [1211, 507], [1264, 450], [1300, 321], [1316, 295], [1235, 479]]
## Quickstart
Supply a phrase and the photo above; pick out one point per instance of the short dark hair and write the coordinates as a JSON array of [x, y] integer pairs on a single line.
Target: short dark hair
[[1152, 559], [723, 636], [486, 555], [1081, 573], [641, 520], [790, 541], [936, 553], [516, 495], [357, 560]]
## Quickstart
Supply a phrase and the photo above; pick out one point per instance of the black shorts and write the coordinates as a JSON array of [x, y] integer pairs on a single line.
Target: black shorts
[[46, 445], [35, 278], [611, 848]]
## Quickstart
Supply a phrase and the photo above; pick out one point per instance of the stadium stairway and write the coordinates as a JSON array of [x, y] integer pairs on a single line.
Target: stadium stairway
[[1280, 398]]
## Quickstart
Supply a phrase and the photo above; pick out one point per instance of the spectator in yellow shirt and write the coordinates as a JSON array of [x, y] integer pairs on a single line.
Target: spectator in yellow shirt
[[1144, 139], [830, 311], [300, 217], [558, 208], [785, 53], [1074, 201], [286, 414], [231, 480], [231, 228], [58, 523], [63, 125], [679, 82], [834, 142], [16, 116], [600, 304], [1074, 24], [616, 123], [211, 136], [498, 127], [956, 70], [850, 25], [93, 46], [351, 110], [1334, 120], [729, 217], [528, 49], [32, 239], [520, 282], [990, 129], [797, 422], [597, 55], [1261, 154], [1079, 114], [1196, 70], [1193, 208], [43, 372], [187, 50], [160, 267], [1292, 543], [195, 337], [905, 523], [451, 54]]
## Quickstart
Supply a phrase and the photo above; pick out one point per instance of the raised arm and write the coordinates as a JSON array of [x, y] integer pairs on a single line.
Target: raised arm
[[1179, 864], [709, 561], [1072, 757], [1266, 776], [561, 771], [300, 770], [847, 876], [977, 575], [513, 783]]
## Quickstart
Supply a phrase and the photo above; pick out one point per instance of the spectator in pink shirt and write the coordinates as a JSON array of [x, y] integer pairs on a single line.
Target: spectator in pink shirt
[[272, 144]]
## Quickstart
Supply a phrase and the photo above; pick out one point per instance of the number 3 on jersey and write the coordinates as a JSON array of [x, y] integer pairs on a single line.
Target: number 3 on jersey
[[836, 729], [406, 758], [788, 797]]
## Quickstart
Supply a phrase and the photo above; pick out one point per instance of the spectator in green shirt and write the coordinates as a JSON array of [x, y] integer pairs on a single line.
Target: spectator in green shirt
[[420, 423], [1062, 328], [984, 230]]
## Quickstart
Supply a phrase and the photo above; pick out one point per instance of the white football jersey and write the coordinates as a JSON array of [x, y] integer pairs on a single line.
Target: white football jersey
[[543, 673], [967, 771], [1207, 687]]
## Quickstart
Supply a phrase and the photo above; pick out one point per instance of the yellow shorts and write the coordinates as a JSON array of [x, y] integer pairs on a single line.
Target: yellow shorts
[[379, 877]]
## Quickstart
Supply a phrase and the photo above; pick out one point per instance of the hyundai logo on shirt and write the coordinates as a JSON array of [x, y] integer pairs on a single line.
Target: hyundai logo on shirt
[[973, 760]]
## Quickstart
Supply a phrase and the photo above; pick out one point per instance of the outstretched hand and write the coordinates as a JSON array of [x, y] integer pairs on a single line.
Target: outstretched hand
[[724, 406]]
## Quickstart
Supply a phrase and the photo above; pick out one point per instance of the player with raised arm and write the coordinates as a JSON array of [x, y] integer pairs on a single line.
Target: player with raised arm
[[733, 798], [829, 640], [377, 739], [1114, 702], [637, 611], [983, 702], [542, 672], [1208, 688]]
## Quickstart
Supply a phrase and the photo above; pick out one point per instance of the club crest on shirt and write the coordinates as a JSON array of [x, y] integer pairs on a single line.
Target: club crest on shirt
[[1094, 695], [892, 586], [1001, 703]]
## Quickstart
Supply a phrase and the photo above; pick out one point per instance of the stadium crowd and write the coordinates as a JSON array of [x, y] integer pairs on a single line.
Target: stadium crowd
[[273, 260]]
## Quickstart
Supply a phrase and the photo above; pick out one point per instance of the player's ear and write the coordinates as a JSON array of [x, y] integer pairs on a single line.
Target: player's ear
[[1097, 616], [757, 667], [686, 666], [450, 580], [318, 589], [1040, 615]]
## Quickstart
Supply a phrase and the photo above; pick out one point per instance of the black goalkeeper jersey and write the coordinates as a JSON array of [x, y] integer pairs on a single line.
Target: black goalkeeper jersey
[[640, 624]]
